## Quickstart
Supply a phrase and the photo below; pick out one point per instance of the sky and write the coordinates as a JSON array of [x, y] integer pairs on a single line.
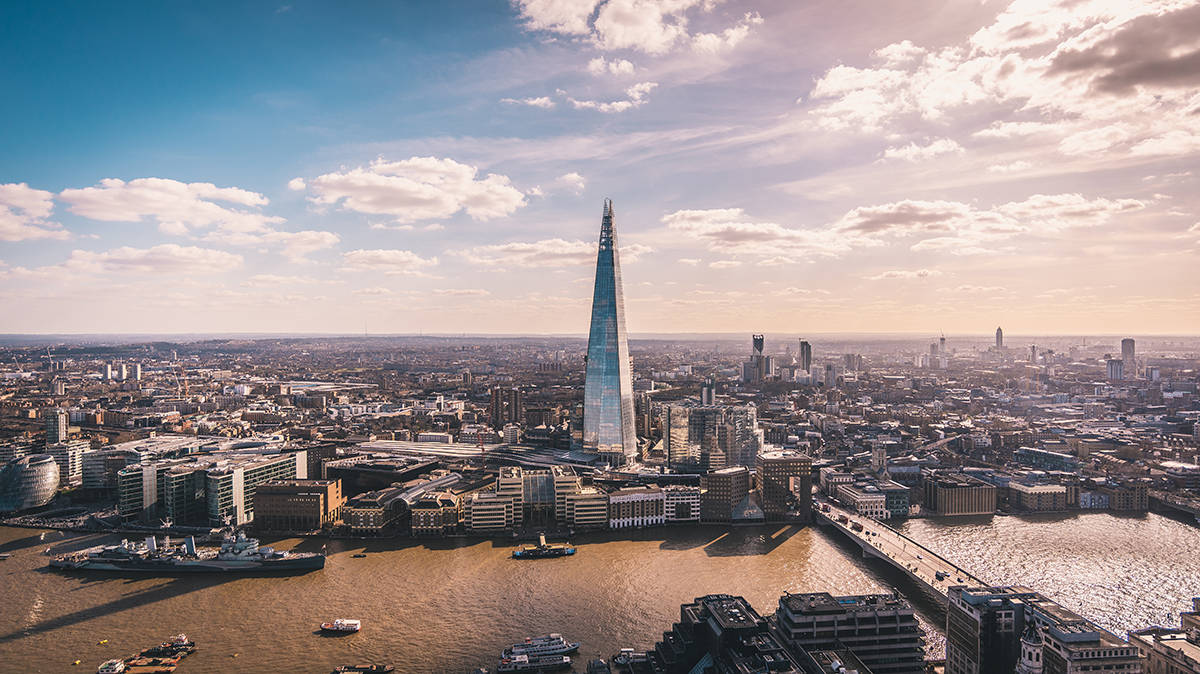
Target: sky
[[440, 167]]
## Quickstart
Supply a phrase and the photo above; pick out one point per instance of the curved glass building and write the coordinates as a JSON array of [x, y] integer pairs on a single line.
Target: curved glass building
[[608, 423], [28, 482]]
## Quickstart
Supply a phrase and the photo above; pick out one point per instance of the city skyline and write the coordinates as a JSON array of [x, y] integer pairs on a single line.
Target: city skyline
[[420, 174]]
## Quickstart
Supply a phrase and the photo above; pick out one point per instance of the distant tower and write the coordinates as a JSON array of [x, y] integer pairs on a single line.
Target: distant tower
[[999, 338], [57, 422], [137, 371], [1128, 355], [1031, 651], [806, 356], [942, 344], [1033, 354], [755, 369], [1116, 369], [608, 420], [708, 392]]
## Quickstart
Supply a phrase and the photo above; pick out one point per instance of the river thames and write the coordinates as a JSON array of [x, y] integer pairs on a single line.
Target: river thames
[[451, 606]]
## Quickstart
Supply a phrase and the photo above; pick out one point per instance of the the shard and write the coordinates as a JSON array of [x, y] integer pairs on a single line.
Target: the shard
[[608, 426]]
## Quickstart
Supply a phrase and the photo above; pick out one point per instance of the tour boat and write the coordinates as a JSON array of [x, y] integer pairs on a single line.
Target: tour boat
[[342, 625]]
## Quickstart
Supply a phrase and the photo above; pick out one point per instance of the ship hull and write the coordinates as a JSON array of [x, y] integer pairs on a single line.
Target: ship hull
[[214, 566]]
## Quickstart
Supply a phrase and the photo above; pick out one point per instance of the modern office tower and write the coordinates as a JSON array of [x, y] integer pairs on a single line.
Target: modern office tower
[[785, 484], [677, 447], [933, 351], [566, 482], [1128, 355], [721, 491], [942, 345], [1116, 369], [297, 505], [987, 627], [643, 406], [230, 488], [69, 457], [505, 406], [806, 356], [57, 425], [1033, 354], [1171, 649], [881, 629], [608, 421], [510, 483], [137, 371], [958, 494], [708, 392], [28, 482], [754, 370], [999, 339]]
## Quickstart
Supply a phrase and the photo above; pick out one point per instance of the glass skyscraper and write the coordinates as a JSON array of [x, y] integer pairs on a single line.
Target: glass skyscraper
[[608, 422]]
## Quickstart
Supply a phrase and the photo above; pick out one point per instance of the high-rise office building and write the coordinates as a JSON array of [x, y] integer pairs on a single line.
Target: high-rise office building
[[57, 425], [806, 356], [1033, 354], [755, 369], [999, 338], [608, 421], [1116, 369], [708, 392], [785, 484], [1129, 356]]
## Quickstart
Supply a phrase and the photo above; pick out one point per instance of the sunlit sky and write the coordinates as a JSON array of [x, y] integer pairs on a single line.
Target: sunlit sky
[[779, 166]]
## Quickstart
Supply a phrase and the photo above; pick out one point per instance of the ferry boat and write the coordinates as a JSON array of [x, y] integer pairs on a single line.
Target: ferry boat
[[342, 625], [237, 554], [113, 666], [536, 663], [364, 669], [551, 644], [543, 550]]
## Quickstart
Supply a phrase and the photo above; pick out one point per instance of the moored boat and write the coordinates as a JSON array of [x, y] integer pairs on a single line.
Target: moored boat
[[537, 663], [543, 550], [551, 644], [364, 669]]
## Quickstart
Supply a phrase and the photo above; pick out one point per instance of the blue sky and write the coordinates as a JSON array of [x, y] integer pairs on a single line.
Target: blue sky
[[779, 166]]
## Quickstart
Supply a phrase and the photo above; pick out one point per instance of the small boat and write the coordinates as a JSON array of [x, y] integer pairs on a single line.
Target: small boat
[[359, 555], [364, 669], [525, 663], [342, 625], [5, 555], [111, 667]]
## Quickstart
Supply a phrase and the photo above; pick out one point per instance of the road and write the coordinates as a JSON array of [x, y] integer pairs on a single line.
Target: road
[[903, 552]]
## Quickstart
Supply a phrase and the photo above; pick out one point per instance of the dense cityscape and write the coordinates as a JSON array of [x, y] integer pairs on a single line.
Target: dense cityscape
[[524, 439]]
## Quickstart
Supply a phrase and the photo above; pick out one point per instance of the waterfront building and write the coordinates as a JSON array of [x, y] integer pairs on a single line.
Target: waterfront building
[[100, 467], [785, 484], [169, 489], [510, 483], [985, 626], [952, 494], [865, 499], [298, 505], [832, 477], [897, 498], [487, 512], [587, 509], [566, 482], [363, 473], [681, 503], [608, 420], [371, 513], [230, 485], [436, 513], [538, 496], [715, 633], [28, 482], [1170, 650], [1037, 497], [881, 629], [721, 491], [58, 423], [636, 507], [69, 454]]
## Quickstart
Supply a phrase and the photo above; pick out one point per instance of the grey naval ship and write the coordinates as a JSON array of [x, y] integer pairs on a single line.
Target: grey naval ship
[[237, 554]]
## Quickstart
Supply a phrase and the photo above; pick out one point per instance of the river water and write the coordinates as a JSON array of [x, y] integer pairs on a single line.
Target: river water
[[450, 606]]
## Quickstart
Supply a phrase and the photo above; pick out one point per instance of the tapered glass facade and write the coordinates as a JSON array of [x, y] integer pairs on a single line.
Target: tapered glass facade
[[608, 423]]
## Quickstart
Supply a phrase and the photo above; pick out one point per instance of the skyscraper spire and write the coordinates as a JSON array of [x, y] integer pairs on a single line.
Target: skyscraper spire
[[608, 422]]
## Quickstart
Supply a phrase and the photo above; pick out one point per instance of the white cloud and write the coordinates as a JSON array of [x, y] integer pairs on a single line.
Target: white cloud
[[636, 96], [1012, 167], [544, 253], [391, 262], [23, 213], [893, 274], [177, 207], [690, 261], [602, 66], [540, 102], [419, 188], [715, 43], [572, 181], [724, 264], [167, 258], [899, 53], [559, 16], [271, 280], [461, 292], [731, 231], [296, 184], [913, 152]]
